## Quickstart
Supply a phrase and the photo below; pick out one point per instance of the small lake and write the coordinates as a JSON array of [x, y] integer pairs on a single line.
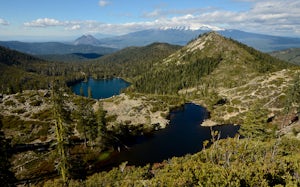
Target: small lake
[[184, 135], [102, 88]]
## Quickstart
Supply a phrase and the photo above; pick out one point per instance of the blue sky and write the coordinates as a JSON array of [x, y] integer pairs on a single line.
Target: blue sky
[[65, 19]]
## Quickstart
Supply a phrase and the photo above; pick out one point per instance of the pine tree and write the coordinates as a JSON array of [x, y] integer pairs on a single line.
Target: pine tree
[[60, 130], [81, 91], [90, 94], [82, 115], [101, 126]]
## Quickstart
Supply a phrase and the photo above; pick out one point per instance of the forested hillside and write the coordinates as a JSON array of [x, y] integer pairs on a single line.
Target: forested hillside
[[21, 71], [131, 62], [211, 59]]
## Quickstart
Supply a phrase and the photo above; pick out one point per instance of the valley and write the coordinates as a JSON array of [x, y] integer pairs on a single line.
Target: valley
[[237, 84]]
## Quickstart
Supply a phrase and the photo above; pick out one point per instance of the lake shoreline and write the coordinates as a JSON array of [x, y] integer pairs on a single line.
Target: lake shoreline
[[184, 126]]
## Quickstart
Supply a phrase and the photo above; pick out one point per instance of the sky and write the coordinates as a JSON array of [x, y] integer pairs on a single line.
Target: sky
[[66, 19]]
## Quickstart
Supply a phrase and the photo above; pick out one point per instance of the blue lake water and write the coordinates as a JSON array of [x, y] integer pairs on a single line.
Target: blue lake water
[[102, 88]]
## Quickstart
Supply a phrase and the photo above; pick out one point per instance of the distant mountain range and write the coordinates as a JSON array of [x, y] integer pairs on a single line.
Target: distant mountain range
[[182, 35], [88, 44], [49, 48]]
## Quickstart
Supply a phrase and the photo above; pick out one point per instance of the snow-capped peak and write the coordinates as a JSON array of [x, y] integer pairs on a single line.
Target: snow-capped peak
[[192, 27]]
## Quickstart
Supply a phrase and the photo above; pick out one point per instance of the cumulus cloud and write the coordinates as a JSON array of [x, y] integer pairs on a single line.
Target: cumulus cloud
[[44, 22], [103, 3], [269, 16], [3, 22]]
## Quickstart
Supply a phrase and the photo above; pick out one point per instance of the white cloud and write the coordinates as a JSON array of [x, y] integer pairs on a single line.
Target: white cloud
[[3, 22], [103, 3], [155, 13], [50, 22], [74, 27], [44, 22], [159, 13]]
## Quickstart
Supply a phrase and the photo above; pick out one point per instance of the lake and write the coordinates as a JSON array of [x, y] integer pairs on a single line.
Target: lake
[[102, 88], [184, 135]]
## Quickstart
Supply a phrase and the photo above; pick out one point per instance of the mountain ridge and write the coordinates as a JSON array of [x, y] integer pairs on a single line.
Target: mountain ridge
[[46, 48], [182, 35], [220, 50], [173, 35]]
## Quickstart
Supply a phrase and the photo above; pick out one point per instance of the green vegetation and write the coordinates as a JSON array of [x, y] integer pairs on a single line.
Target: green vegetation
[[176, 77], [293, 94], [131, 62], [230, 162], [61, 130], [255, 123]]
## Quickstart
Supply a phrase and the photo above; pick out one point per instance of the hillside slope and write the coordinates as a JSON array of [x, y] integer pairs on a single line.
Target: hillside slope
[[17, 71], [290, 55], [20, 71], [131, 62]]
